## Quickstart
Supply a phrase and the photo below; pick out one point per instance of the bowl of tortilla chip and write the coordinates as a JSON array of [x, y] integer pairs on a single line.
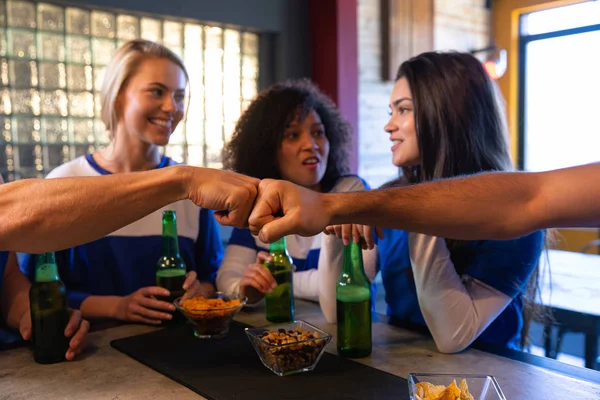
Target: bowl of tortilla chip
[[453, 387]]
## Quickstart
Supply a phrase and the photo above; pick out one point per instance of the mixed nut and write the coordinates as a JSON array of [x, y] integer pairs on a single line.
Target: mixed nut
[[291, 349]]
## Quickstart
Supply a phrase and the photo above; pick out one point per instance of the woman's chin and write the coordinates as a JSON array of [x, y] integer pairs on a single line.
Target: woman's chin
[[401, 162], [159, 141]]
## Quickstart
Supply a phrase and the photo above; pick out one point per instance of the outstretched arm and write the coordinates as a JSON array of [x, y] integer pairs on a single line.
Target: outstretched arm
[[38, 215], [496, 205]]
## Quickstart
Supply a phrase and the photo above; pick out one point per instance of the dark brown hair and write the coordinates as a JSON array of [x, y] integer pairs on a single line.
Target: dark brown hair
[[461, 130]]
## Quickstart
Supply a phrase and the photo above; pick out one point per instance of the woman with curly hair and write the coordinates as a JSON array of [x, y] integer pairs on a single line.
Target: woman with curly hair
[[291, 131]]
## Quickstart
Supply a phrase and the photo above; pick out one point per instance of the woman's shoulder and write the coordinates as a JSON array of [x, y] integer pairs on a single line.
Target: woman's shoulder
[[527, 248], [349, 183], [169, 162], [534, 239], [76, 167]]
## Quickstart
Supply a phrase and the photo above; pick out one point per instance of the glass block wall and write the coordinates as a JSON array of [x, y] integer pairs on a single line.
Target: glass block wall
[[52, 60]]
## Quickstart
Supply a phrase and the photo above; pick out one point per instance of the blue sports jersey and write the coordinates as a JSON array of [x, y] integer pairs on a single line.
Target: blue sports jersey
[[125, 260], [504, 265]]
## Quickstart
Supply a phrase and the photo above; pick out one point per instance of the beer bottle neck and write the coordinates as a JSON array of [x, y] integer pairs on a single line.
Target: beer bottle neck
[[353, 263], [170, 243], [278, 246], [45, 268]]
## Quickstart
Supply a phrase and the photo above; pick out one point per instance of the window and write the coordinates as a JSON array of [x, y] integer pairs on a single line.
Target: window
[[560, 87], [52, 60]]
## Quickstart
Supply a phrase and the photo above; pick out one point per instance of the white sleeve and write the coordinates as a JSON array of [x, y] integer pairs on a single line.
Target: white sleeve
[[331, 259], [306, 284], [330, 268], [235, 261], [348, 184], [456, 310]]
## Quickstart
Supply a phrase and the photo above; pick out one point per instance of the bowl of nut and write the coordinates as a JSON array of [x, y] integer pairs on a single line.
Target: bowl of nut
[[211, 315], [289, 348]]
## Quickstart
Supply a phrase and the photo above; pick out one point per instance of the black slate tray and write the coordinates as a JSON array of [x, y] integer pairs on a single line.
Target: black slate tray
[[229, 368]]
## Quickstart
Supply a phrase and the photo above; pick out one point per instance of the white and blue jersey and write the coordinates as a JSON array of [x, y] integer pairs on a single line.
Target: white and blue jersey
[[125, 260], [304, 251], [243, 248], [505, 266]]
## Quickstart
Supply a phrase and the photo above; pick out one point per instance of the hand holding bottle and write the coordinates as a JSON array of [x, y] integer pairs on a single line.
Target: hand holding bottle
[[143, 306], [77, 329], [257, 279]]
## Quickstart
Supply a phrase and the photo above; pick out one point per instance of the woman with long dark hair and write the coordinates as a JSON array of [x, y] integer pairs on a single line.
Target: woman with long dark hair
[[446, 120]]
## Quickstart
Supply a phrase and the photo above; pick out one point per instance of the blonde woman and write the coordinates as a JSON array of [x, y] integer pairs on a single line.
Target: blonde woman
[[143, 100]]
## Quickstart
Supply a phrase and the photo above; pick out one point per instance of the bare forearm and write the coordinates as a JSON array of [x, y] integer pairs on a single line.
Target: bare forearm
[[485, 206], [61, 213], [100, 307]]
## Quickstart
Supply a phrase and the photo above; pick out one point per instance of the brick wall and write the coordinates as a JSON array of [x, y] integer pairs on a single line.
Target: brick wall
[[461, 25], [458, 25]]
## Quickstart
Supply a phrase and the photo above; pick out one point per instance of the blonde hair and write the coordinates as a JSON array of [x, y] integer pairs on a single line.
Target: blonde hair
[[122, 66]]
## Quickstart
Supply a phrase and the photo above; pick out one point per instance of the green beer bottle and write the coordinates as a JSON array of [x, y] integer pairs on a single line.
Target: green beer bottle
[[171, 269], [353, 295], [279, 303], [49, 313]]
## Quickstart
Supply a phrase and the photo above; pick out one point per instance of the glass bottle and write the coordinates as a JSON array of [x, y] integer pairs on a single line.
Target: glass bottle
[[279, 303], [353, 298], [170, 268], [49, 312]]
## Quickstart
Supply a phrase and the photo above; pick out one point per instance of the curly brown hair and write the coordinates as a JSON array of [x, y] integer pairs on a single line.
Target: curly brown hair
[[259, 131]]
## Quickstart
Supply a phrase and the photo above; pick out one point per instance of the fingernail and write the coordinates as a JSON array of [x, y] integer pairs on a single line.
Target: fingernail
[[262, 237], [75, 343], [172, 308]]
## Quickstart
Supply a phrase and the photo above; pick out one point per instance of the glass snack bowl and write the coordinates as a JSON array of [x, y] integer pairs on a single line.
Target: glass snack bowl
[[289, 348], [481, 387], [211, 315]]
